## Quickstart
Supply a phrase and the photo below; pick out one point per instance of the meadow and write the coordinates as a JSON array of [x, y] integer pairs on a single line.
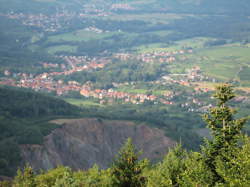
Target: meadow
[[61, 48], [154, 18], [192, 43], [79, 35], [223, 62], [82, 102]]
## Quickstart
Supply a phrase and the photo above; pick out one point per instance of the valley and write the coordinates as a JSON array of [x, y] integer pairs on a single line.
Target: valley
[[128, 67]]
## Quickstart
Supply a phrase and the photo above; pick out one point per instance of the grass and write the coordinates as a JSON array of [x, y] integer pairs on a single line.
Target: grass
[[132, 90], [79, 35], [203, 85], [244, 74], [153, 18], [195, 43], [223, 62], [81, 102], [129, 89], [62, 48]]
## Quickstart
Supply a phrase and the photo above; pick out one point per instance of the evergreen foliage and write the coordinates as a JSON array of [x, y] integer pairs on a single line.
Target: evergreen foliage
[[127, 168], [226, 132]]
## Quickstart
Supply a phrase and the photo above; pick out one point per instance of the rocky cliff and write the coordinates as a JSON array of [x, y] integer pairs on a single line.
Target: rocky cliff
[[80, 143]]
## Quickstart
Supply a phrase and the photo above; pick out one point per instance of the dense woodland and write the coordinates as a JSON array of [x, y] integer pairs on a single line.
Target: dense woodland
[[24, 119], [223, 160]]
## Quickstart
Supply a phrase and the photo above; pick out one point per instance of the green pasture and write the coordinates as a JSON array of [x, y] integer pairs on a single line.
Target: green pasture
[[137, 90], [82, 102], [223, 63], [62, 48], [193, 43], [244, 74], [238, 53], [132, 90], [79, 35], [153, 18]]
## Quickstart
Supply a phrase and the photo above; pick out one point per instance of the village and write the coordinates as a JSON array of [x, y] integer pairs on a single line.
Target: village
[[46, 81], [48, 23], [61, 17], [151, 57]]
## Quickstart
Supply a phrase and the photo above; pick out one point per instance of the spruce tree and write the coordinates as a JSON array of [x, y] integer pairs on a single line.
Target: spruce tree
[[226, 131], [127, 168]]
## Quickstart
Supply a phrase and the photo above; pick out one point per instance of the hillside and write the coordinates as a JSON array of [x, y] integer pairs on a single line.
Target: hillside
[[24, 116], [81, 143], [24, 103]]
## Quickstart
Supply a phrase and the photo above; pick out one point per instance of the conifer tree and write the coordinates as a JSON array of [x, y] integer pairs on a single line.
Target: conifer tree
[[225, 130], [127, 168]]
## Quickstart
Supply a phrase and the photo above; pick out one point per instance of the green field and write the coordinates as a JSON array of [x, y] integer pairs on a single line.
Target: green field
[[227, 62], [62, 48], [224, 62], [137, 90], [82, 102], [194, 43], [79, 35], [153, 18]]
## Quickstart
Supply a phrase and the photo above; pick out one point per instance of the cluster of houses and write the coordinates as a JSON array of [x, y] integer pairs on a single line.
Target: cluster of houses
[[121, 6], [53, 22], [125, 97], [8, 82], [45, 81], [167, 57], [48, 65], [189, 78], [78, 61], [50, 23], [161, 57], [46, 84], [94, 29]]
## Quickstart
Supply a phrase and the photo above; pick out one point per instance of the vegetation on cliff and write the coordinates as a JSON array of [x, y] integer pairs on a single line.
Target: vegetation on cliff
[[22, 121], [223, 160]]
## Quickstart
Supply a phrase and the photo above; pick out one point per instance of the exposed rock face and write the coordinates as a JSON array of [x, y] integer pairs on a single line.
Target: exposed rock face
[[80, 143]]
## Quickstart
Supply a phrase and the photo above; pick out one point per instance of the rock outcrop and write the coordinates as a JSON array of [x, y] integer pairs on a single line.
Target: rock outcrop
[[80, 143]]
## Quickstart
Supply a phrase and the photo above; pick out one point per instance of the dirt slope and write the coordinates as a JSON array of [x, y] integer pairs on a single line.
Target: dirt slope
[[80, 143]]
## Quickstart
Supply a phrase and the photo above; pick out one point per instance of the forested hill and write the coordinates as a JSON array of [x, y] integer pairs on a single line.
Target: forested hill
[[22, 121], [24, 103]]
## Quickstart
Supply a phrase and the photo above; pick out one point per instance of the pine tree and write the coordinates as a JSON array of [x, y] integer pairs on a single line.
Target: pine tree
[[225, 130], [127, 168]]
